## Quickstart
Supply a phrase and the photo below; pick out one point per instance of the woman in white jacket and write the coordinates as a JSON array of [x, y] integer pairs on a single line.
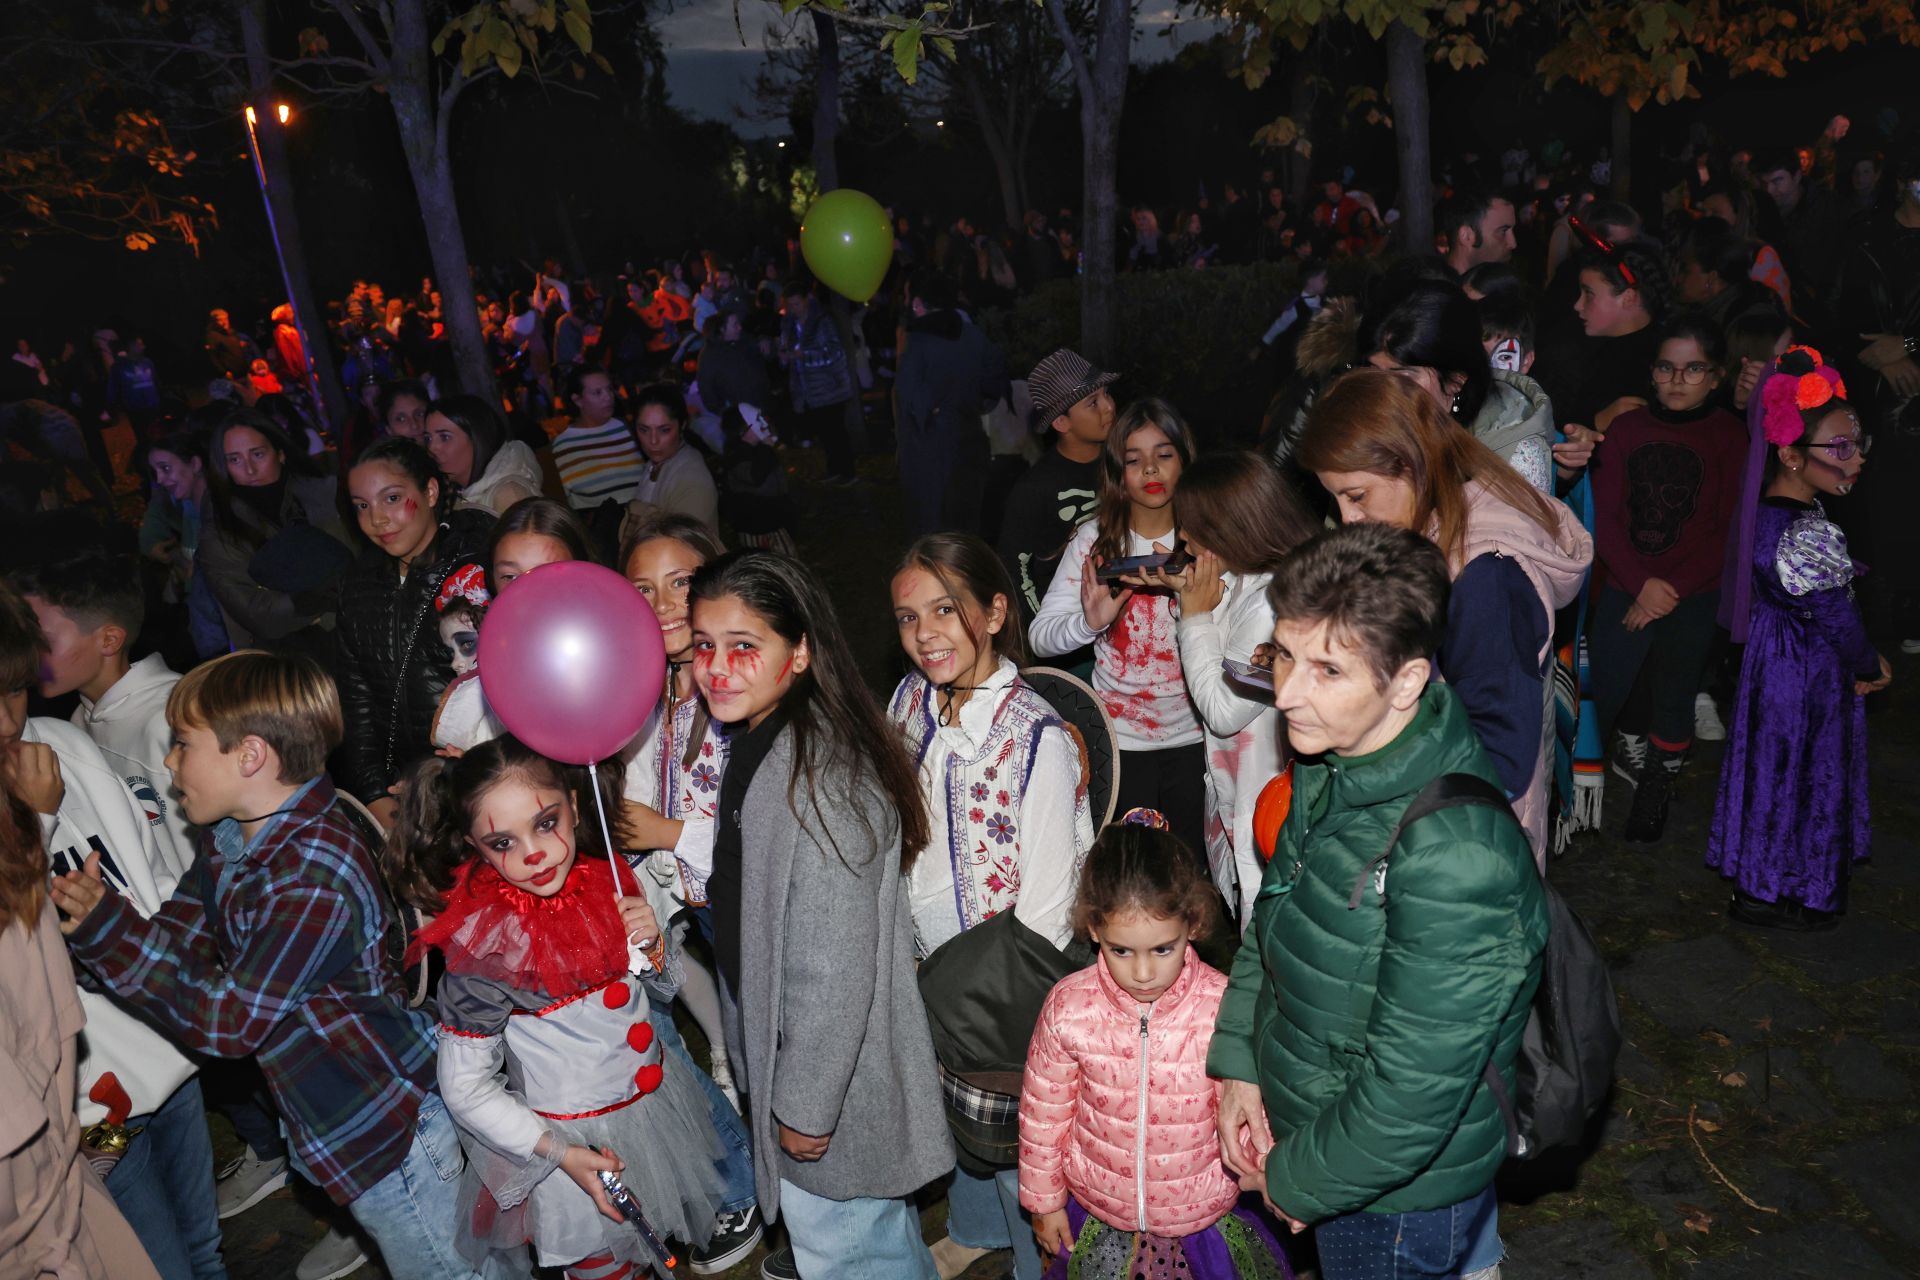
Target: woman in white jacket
[[1239, 518]]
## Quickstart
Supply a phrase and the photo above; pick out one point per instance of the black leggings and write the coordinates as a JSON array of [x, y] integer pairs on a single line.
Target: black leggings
[[1669, 653], [1172, 780]]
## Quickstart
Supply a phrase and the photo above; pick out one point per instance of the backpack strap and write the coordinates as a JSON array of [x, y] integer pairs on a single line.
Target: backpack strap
[[1448, 791], [1516, 1141]]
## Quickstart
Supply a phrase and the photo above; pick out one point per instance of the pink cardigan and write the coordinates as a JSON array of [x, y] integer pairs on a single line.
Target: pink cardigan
[[1081, 1106]]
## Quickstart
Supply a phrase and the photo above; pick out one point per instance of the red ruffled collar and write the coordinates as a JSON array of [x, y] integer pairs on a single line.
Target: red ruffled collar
[[556, 947]]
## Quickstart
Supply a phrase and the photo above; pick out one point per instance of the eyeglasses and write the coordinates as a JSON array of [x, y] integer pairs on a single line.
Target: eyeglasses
[[1691, 374], [1844, 447], [1606, 247]]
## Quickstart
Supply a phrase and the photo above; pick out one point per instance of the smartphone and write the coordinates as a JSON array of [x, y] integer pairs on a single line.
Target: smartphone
[[1248, 675], [1172, 561]]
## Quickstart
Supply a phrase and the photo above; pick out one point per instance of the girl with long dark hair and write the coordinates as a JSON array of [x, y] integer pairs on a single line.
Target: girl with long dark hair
[[819, 816], [1130, 622], [393, 666]]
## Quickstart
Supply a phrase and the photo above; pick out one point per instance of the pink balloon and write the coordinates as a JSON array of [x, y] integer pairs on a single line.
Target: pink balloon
[[572, 660]]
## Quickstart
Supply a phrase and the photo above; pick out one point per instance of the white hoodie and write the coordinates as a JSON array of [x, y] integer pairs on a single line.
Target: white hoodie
[[129, 725], [98, 812]]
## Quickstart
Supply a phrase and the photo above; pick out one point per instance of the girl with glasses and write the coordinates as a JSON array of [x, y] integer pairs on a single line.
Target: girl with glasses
[[1791, 816], [1665, 482]]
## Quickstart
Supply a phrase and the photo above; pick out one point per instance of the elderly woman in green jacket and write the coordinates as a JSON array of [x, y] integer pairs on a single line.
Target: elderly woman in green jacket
[[1368, 998]]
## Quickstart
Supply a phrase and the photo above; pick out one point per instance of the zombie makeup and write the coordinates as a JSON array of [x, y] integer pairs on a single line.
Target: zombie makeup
[[462, 602], [461, 634]]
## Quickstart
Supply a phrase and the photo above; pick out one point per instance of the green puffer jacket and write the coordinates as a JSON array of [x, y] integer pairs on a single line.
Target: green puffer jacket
[[1367, 1030]]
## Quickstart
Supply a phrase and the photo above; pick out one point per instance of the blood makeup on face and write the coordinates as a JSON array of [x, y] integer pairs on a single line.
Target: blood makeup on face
[[732, 649]]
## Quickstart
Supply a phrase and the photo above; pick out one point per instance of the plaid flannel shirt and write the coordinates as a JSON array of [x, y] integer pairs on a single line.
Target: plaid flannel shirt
[[274, 947]]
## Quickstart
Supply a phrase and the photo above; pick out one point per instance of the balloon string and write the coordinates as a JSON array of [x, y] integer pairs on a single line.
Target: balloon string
[[613, 855]]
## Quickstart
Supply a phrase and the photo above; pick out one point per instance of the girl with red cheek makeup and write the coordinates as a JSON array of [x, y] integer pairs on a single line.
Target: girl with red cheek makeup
[[392, 665], [549, 1059], [818, 818]]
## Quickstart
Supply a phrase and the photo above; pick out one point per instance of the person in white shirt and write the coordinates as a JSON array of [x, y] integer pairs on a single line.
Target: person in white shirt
[[1008, 816], [90, 607], [1240, 518], [1130, 623]]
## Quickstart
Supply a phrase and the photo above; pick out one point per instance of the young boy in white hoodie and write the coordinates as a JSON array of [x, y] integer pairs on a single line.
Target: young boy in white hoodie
[[90, 608], [129, 1074]]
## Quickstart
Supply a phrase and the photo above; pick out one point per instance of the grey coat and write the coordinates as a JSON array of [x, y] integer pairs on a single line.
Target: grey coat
[[829, 1027]]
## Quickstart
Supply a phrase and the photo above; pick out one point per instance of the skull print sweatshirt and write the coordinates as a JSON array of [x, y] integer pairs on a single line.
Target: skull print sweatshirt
[[1664, 490]]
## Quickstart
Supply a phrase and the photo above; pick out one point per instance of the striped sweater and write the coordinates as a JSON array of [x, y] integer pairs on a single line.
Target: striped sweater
[[598, 463]]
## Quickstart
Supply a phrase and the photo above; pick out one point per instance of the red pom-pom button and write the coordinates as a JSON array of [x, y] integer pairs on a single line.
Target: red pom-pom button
[[617, 995], [648, 1078], [640, 1036]]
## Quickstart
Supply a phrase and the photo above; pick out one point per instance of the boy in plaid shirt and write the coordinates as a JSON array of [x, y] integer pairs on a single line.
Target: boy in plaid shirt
[[273, 945]]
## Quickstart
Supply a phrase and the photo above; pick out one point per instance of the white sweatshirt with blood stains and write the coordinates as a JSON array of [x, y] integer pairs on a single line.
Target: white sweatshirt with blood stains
[[1136, 661]]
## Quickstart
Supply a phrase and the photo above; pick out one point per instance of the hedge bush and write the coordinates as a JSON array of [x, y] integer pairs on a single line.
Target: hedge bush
[[1181, 335]]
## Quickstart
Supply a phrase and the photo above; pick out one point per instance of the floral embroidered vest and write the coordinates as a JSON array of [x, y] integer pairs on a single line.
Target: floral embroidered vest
[[982, 793]]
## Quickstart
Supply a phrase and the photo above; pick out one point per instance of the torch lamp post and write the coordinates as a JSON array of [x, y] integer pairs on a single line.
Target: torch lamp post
[[285, 113]]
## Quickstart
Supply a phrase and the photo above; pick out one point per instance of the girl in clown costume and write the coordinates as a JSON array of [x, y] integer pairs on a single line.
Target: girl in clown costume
[[548, 1059]]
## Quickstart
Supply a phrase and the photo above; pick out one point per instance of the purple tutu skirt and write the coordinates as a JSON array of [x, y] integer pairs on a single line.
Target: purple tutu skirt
[[1241, 1246]]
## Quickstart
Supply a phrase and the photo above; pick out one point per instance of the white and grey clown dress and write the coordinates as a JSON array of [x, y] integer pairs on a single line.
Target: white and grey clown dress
[[544, 1030]]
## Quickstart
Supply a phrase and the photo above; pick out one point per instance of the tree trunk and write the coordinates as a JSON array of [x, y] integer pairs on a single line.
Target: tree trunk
[[278, 183], [423, 138], [1296, 166], [826, 101], [826, 175], [999, 146], [1407, 82], [1622, 148], [1100, 152]]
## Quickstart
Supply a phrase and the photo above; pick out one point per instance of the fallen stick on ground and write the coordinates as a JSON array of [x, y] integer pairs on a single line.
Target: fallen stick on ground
[[1714, 1169]]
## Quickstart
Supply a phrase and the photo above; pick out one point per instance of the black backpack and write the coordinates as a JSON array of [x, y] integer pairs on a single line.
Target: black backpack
[[1565, 1067]]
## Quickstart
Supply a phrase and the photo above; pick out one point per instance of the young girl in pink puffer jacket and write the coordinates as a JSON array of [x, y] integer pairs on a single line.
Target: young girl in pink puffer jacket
[[1119, 1151]]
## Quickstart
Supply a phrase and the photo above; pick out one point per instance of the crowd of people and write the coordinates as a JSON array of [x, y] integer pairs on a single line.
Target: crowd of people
[[1186, 897]]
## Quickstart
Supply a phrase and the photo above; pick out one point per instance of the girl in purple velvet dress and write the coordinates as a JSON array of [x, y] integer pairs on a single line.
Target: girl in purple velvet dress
[[1791, 817]]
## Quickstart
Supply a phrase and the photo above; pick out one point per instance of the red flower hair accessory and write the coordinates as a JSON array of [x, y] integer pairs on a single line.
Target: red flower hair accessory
[[467, 584], [1802, 381]]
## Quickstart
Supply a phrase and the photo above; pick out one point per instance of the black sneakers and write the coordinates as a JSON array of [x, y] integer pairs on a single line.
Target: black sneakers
[[1647, 820], [780, 1265], [735, 1235]]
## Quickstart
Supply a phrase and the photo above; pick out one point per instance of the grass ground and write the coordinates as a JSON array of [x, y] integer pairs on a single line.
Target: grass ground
[[1766, 1119]]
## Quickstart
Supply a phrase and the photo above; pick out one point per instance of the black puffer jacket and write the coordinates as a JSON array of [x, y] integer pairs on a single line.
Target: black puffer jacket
[[392, 666]]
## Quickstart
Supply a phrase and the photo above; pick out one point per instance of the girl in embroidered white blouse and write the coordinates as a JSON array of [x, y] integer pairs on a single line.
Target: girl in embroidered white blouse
[[1009, 821]]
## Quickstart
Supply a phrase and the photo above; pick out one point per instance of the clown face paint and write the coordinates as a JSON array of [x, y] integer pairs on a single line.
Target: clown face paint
[[525, 833]]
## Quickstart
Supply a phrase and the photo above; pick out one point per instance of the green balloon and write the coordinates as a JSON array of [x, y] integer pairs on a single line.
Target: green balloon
[[848, 243]]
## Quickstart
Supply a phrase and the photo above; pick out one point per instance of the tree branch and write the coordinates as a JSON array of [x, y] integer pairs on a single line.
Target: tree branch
[[1082, 73], [376, 53]]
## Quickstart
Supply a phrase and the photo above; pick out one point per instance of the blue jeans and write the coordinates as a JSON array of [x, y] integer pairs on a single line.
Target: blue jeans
[[863, 1239], [985, 1213], [736, 1166], [411, 1212], [1487, 1250], [164, 1188], [1433, 1244]]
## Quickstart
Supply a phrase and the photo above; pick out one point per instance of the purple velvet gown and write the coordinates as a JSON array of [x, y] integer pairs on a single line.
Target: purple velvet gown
[[1792, 810]]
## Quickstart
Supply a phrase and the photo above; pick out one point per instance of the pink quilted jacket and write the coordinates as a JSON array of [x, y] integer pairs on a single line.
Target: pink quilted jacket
[[1088, 1090]]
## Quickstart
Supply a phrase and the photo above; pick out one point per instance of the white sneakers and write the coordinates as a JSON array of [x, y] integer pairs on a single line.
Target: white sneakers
[[248, 1181], [1707, 725], [337, 1254]]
